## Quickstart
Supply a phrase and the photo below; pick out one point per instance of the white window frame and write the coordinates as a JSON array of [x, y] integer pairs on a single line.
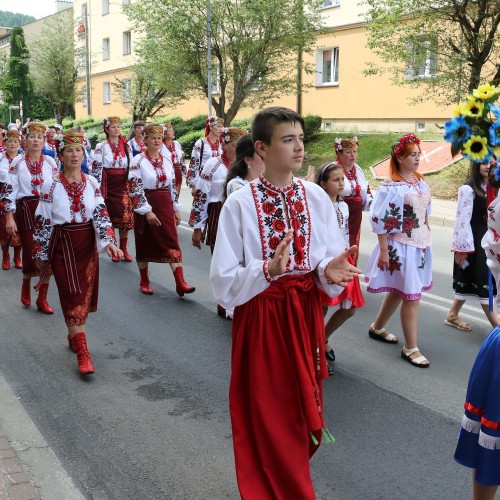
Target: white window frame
[[85, 100], [106, 49], [334, 70], [127, 42], [328, 4], [126, 2], [106, 92], [415, 70], [105, 7], [126, 90]]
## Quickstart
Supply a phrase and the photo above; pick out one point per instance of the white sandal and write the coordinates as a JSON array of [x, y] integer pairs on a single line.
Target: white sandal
[[419, 361], [375, 334]]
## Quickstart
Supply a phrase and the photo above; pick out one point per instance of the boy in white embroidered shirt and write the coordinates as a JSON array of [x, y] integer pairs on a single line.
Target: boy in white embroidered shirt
[[278, 240]]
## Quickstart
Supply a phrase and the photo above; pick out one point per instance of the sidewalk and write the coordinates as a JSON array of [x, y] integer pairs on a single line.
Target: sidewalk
[[443, 213]]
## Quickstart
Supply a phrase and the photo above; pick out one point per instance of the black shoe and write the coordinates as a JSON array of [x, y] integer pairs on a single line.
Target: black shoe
[[331, 369], [330, 355]]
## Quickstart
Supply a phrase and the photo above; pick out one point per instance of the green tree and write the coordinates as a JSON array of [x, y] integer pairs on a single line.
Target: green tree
[[445, 49], [254, 48], [11, 19], [56, 65]]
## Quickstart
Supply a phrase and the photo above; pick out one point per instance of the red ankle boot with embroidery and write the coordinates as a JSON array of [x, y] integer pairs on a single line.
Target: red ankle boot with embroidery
[[26, 292], [18, 263], [82, 354], [5, 258], [71, 343], [41, 302], [181, 287], [123, 248], [145, 283]]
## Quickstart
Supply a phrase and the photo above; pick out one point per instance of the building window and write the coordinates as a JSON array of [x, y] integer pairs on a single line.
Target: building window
[[422, 59], [85, 97], [127, 42], [106, 92], [127, 90], [105, 7], [330, 3], [327, 66], [105, 49], [126, 2]]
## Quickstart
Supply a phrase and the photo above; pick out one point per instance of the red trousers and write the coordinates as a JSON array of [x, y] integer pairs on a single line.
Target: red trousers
[[278, 345]]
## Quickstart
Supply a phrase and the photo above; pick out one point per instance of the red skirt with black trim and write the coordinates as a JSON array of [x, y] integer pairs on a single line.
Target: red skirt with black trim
[[214, 209], [116, 194], [75, 266], [157, 243], [6, 239]]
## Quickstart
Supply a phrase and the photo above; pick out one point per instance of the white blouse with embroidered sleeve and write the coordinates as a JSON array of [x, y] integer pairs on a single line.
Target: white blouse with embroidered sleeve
[[254, 221], [56, 207], [143, 175], [491, 241], [463, 240], [235, 184], [365, 192]]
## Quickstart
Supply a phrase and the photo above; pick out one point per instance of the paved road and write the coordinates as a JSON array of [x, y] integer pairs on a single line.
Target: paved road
[[153, 421]]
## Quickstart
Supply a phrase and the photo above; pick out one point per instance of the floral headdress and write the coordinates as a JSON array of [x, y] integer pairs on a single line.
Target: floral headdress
[[153, 131], [400, 144], [11, 133], [34, 128], [70, 139], [231, 134], [475, 128], [108, 121], [211, 121], [349, 143], [167, 126]]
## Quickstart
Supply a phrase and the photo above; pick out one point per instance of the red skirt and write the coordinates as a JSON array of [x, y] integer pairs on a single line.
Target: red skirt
[[275, 394], [157, 243], [116, 194], [75, 266], [214, 209], [25, 220], [178, 178], [355, 204]]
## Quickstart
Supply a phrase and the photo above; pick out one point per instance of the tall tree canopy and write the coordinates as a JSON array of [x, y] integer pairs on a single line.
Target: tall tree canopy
[[56, 65], [11, 19], [444, 48], [254, 47]]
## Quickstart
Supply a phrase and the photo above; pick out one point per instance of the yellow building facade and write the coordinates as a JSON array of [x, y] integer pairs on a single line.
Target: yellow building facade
[[338, 91]]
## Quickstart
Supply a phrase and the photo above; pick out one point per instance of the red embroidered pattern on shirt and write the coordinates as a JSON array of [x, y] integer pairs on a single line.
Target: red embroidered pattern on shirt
[[273, 221]]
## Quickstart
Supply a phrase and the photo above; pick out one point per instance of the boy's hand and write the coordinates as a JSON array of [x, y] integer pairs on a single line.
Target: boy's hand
[[340, 271], [277, 265]]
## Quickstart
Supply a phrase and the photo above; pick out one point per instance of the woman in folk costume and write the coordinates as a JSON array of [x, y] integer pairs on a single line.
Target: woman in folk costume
[[22, 193], [204, 149], [401, 263], [208, 198], [157, 211], [171, 148], [71, 225], [2, 140], [357, 192], [136, 143], [11, 141], [110, 167]]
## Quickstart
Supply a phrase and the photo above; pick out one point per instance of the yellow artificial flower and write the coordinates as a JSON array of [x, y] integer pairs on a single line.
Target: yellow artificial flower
[[457, 110], [485, 92], [476, 148], [473, 108], [496, 151]]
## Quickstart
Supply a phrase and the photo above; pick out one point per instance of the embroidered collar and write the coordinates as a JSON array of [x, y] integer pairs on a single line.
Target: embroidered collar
[[274, 188]]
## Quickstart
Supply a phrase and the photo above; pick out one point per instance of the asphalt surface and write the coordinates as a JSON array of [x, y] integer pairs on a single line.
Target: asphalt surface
[[153, 421]]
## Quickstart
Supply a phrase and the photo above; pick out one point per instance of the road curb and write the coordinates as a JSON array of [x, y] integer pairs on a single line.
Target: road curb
[[29, 469], [436, 220]]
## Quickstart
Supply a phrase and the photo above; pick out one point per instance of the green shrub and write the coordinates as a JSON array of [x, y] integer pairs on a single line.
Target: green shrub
[[183, 127], [93, 139], [187, 140], [312, 126]]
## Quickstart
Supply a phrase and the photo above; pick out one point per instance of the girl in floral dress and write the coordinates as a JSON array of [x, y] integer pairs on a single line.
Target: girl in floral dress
[[401, 263]]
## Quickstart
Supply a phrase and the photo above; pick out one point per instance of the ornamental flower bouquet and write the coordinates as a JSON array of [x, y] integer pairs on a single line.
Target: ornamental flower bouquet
[[475, 128]]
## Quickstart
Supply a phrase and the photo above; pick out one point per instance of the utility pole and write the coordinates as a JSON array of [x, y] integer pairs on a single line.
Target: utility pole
[[209, 58], [87, 58]]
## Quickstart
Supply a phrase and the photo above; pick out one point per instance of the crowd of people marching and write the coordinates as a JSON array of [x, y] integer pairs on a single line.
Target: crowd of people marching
[[284, 255]]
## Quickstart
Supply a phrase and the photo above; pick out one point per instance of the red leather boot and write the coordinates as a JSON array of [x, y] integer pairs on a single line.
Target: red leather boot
[[123, 248], [18, 263], [144, 283], [71, 343], [5, 258], [82, 354], [41, 302], [181, 287], [26, 292]]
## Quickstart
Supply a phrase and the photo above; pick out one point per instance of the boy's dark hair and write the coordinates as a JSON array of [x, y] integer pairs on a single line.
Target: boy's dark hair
[[266, 120]]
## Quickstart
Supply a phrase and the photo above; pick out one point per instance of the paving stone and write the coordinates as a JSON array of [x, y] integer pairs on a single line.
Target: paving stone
[[17, 478], [10, 465], [7, 454], [22, 491], [4, 443]]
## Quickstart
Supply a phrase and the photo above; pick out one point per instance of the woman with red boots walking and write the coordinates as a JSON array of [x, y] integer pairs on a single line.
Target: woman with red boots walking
[[11, 141], [22, 193], [72, 224], [110, 167], [157, 212]]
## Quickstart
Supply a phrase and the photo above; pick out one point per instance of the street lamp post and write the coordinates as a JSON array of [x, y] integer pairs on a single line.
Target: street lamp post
[[209, 58]]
